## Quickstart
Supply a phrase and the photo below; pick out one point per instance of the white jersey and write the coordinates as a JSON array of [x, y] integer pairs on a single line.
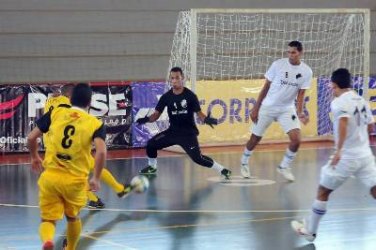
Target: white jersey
[[286, 80], [359, 114]]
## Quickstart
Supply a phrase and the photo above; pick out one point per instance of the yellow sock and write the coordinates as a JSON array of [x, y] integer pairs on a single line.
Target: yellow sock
[[46, 231], [109, 179], [73, 233], [91, 196]]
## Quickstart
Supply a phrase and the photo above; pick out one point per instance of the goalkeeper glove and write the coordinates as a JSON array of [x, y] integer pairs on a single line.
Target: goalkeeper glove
[[210, 121], [143, 120]]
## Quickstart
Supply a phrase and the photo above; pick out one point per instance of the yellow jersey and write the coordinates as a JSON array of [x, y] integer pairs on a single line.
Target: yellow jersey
[[55, 101], [71, 132], [51, 103]]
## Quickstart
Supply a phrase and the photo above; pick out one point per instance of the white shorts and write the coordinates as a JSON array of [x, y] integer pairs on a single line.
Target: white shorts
[[362, 168], [287, 118]]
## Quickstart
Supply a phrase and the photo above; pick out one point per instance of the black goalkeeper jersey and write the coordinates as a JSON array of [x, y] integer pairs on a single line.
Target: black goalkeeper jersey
[[180, 109]]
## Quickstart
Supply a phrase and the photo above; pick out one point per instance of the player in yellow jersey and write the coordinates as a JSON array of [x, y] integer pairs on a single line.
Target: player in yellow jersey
[[62, 100], [58, 99], [63, 183]]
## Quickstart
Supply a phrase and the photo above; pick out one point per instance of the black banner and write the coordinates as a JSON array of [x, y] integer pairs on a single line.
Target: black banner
[[22, 105]]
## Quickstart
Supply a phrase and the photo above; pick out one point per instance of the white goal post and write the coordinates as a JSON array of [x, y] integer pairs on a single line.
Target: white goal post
[[343, 34], [226, 46]]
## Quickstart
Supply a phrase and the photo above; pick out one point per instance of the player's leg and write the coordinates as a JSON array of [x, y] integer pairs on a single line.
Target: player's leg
[[74, 196], [247, 153], [121, 190], [331, 179], [94, 201], [308, 227], [47, 233], [192, 148], [159, 141], [74, 228], [291, 125], [318, 209], [258, 129], [51, 208], [367, 174]]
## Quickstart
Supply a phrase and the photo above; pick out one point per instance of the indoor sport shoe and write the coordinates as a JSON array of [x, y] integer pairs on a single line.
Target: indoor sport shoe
[[96, 204], [286, 173], [299, 228], [148, 170], [225, 173], [244, 171], [126, 191], [48, 245]]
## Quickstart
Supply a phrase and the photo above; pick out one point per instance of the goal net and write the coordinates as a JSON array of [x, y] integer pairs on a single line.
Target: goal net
[[226, 52]]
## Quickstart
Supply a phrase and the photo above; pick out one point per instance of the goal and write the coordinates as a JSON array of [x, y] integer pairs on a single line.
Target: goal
[[229, 50]]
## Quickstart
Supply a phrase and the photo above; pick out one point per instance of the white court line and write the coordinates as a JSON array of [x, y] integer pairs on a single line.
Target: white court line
[[14, 164], [216, 153], [180, 155], [101, 246], [203, 211], [107, 242]]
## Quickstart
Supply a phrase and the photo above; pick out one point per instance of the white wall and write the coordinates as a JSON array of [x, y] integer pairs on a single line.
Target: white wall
[[56, 40]]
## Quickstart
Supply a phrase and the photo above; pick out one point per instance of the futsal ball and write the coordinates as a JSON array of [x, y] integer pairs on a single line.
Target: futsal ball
[[139, 183]]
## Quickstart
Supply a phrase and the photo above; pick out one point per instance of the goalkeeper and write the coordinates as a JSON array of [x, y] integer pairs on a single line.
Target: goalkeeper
[[181, 105]]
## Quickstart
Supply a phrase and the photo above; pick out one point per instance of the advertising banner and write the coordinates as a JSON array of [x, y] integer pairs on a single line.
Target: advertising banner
[[325, 97], [14, 121], [372, 93], [145, 98], [22, 105], [232, 102], [119, 104]]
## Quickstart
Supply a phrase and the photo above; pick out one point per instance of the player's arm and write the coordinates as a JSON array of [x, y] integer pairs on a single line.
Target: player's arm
[[260, 98], [207, 119], [370, 119], [300, 106], [263, 93], [270, 74], [152, 118], [342, 133], [157, 112], [100, 157], [155, 116], [43, 124], [300, 98], [32, 143], [300, 101], [201, 116]]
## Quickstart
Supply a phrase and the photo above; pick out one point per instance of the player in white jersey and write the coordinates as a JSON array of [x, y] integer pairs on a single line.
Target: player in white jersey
[[352, 122], [285, 82]]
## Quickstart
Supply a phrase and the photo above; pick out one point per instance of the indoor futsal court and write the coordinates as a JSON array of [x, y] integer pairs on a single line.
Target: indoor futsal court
[[124, 79], [188, 207]]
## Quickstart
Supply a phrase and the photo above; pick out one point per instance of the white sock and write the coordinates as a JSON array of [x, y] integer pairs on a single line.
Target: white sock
[[152, 162], [318, 211], [217, 166], [287, 158], [245, 157]]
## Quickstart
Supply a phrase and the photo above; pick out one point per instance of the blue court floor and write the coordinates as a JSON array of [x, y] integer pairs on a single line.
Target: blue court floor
[[187, 207]]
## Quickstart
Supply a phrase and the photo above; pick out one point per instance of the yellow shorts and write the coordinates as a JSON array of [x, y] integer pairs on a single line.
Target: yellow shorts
[[60, 194]]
